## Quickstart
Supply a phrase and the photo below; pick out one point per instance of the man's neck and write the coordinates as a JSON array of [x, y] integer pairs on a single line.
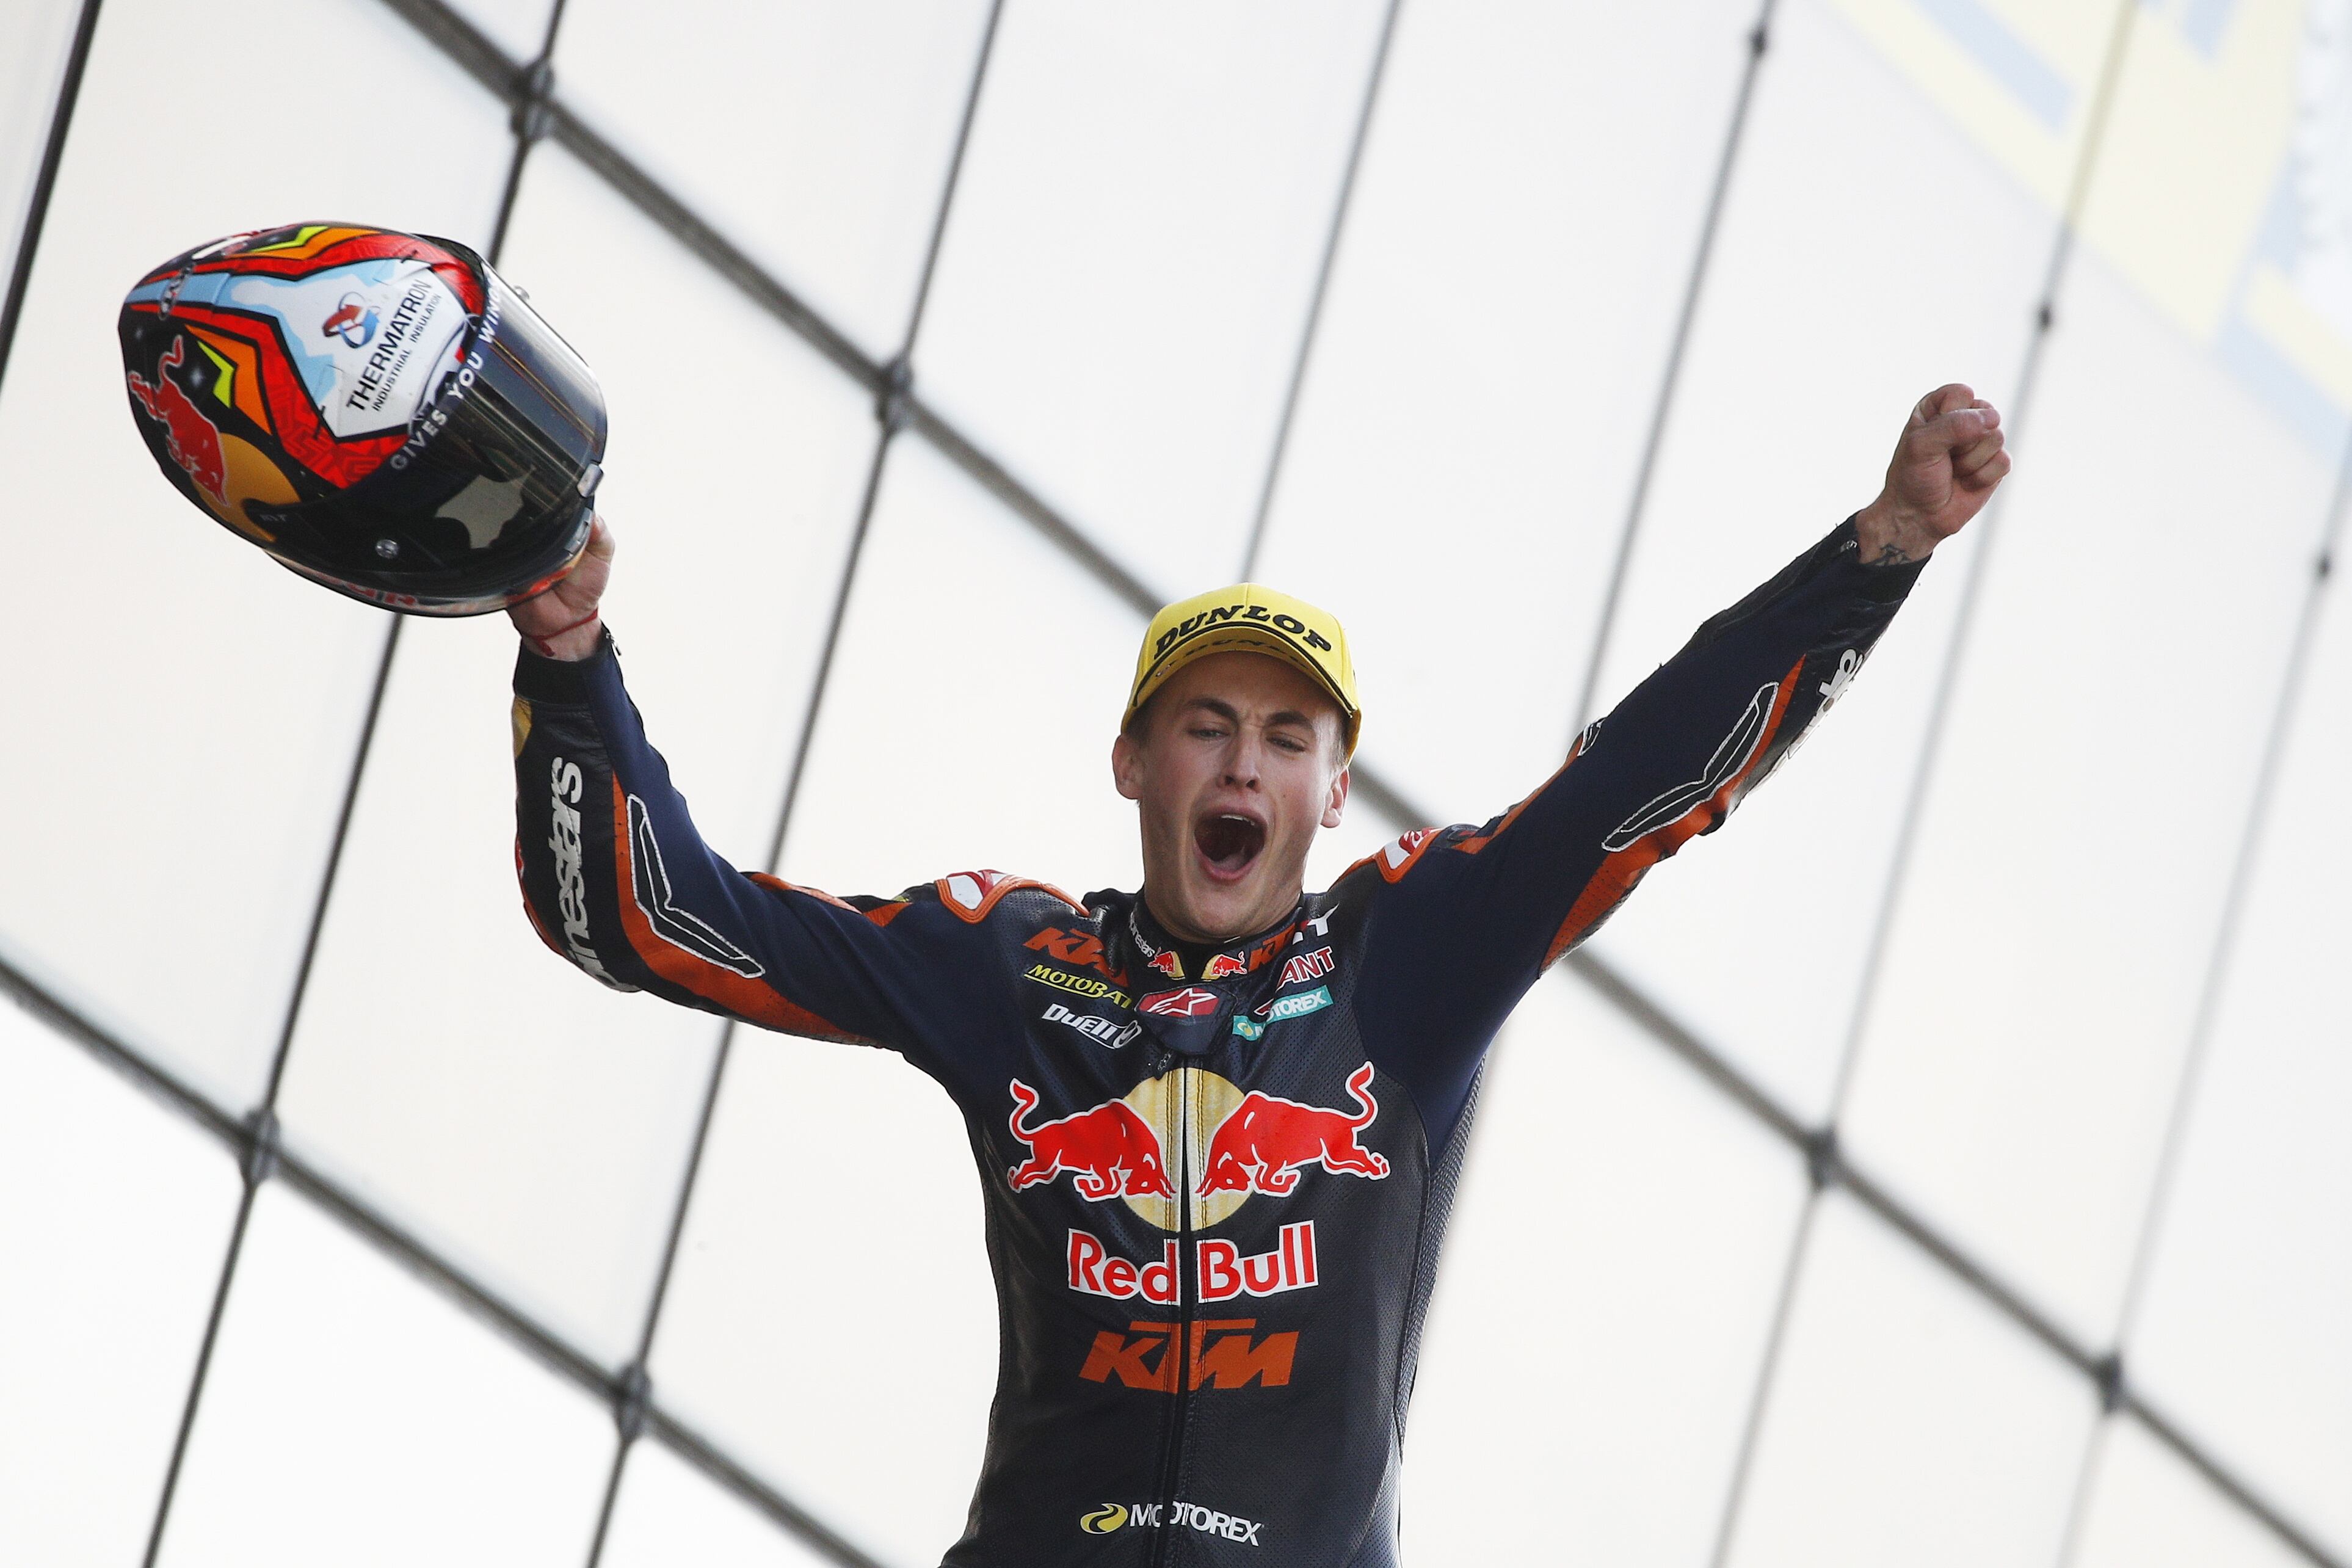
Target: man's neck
[[1198, 944]]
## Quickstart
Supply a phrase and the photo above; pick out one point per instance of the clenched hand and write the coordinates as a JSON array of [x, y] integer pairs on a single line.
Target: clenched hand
[[1944, 469], [562, 622]]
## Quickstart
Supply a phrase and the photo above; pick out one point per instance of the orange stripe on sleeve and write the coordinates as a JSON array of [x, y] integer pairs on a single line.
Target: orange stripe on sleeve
[[744, 997], [1624, 867]]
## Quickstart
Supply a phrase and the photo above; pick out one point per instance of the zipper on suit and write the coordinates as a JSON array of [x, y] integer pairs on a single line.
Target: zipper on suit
[[1180, 1349]]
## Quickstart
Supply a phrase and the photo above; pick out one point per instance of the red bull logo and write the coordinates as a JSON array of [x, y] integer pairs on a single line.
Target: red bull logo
[[1168, 963], [1224, 964], [1110, 1148], [1260, 1146], [1244, 1145], [1095, 1272], [194, 441], [1221, 1270], [354, 321]]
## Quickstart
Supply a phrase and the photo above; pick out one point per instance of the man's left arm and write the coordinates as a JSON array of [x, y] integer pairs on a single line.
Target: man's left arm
[[1471, 917]]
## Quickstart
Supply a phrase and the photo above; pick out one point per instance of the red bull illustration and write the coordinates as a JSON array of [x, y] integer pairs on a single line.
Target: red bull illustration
[[1261, 1145], [1110, 1148], [194, 441]]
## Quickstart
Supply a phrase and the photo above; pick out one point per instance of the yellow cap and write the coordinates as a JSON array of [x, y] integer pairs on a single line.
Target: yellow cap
[[1248, 618]]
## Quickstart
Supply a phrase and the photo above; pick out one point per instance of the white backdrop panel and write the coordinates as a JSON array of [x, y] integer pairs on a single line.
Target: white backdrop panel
[[1842, 287], [40, 37], [969, 716], [197, 705], [1909, 1423], [2046, 954], [1136, 236], [512, 1109], [1485, 374], [2148, 1510], [831, 1323], [1608, 1279], [669, 1513], [114, 1215], [2242, 1336], [518, 27], [816, 136], [354, 1416]]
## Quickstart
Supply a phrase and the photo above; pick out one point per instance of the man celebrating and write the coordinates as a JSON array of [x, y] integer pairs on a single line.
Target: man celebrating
[[1218, 1120]]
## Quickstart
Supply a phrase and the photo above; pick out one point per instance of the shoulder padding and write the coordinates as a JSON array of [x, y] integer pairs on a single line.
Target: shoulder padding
[[972, 894]]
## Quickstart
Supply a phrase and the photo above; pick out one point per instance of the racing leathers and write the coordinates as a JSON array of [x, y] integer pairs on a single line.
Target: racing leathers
[[1216, 1180]]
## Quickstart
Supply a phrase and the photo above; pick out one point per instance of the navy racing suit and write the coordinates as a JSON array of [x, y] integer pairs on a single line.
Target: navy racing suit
[[1216, 1180]]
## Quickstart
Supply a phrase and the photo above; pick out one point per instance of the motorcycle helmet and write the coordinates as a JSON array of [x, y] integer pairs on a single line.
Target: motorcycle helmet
[[380, 412]]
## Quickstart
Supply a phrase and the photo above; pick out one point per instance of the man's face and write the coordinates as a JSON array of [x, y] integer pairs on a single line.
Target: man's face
[[1234, 764]]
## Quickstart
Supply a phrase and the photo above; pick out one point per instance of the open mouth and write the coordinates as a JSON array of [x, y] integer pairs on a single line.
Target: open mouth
[[1229, 842]]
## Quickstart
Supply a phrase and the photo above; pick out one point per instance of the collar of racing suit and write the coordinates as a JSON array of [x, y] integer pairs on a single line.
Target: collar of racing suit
[[1165, 957], [1188, 991]]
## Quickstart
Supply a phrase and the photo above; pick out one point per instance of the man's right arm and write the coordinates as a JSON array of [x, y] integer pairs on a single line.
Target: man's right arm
[[619, 882]]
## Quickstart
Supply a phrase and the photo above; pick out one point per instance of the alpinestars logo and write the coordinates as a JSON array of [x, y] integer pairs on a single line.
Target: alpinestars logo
[[570, 886], [1189, 1003]]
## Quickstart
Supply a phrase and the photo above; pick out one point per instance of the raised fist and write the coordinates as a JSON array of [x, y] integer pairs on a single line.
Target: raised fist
[[562, 622], [1951, 456]]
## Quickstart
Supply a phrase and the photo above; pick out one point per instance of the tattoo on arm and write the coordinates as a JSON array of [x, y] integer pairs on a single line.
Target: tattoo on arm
[[1889, 554]]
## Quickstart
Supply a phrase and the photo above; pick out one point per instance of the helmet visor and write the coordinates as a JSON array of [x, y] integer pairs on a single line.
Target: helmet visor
[[490, 496]]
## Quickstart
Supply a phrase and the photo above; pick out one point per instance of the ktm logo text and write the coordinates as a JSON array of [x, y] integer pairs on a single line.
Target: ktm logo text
[[1222, 1355], [1220, 1272], [1074, 947]]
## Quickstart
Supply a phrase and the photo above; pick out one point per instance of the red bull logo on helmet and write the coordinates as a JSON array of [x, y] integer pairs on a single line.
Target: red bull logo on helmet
[[193, 440]]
